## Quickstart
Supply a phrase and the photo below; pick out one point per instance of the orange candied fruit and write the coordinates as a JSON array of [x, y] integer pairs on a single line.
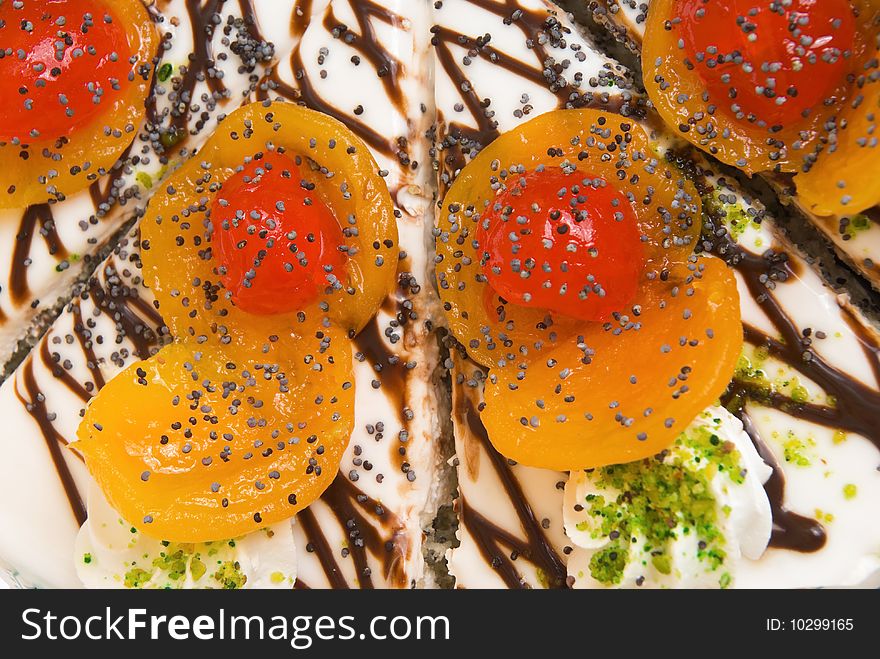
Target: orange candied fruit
[[242, 421], [571, 393], [74, 81], [774, 87]]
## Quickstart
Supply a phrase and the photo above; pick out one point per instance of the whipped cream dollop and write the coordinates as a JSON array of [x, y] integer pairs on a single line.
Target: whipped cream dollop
[[683, 519], [110, 553]]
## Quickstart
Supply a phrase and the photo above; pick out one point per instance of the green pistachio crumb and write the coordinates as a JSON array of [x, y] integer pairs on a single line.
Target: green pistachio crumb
[[799, 394], [230, 575], [660, 499], [607, 564], [165, 72], [795, 450], [856, 225], [145, 180], [197, 569], [136, 578]]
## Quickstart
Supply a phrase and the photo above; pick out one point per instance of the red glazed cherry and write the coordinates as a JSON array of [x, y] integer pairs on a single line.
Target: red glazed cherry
[[61, 63], [275, 240], [765, 61], [569, 243]]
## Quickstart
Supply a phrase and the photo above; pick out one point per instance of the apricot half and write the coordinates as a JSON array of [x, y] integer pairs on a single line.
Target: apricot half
[[176, 231], [587, 144], [625, 390], [192, 447], [38, 168], [564, 393], [774, 87], [243, 419]]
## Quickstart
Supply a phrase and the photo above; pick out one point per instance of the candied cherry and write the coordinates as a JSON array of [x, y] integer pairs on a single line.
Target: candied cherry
[[64, 61], [74, 78], [768, 62], [277, 242], [564, 242]]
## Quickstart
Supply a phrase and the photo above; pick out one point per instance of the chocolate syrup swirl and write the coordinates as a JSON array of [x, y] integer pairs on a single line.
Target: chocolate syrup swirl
[[204, 17], [366, 42], [490, 538], [35, 403], [790, 530], [133, 319], [391, 368], [105, 192], [462, 141], [856, 406], [357, 514], [38, 214]]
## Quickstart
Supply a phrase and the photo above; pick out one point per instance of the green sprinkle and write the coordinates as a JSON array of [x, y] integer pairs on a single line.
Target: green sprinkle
[[663, 563], [799, 394], [136, 578], [735, 216], [856, 225], [850, 491], [607, 564], [197, 569], [659, 499], [145, 180], [794, 451], [165, 72], [170, 137], [543, 580], [87, 558], [230, 576]]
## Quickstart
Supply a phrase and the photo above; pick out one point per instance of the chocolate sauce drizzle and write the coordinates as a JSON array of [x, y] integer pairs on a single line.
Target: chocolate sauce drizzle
[[133, 320], [38, 214], [391, 372], [35, 403], [790, 530], [104, 192], [462, 141], [856, 406], [354, 511], [366, 42], [489, 537], [203, 21]]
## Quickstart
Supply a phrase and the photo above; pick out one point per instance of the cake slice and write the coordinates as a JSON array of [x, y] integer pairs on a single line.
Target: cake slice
[[367, 64], [806, 345], [367, 529], [498, 64]]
